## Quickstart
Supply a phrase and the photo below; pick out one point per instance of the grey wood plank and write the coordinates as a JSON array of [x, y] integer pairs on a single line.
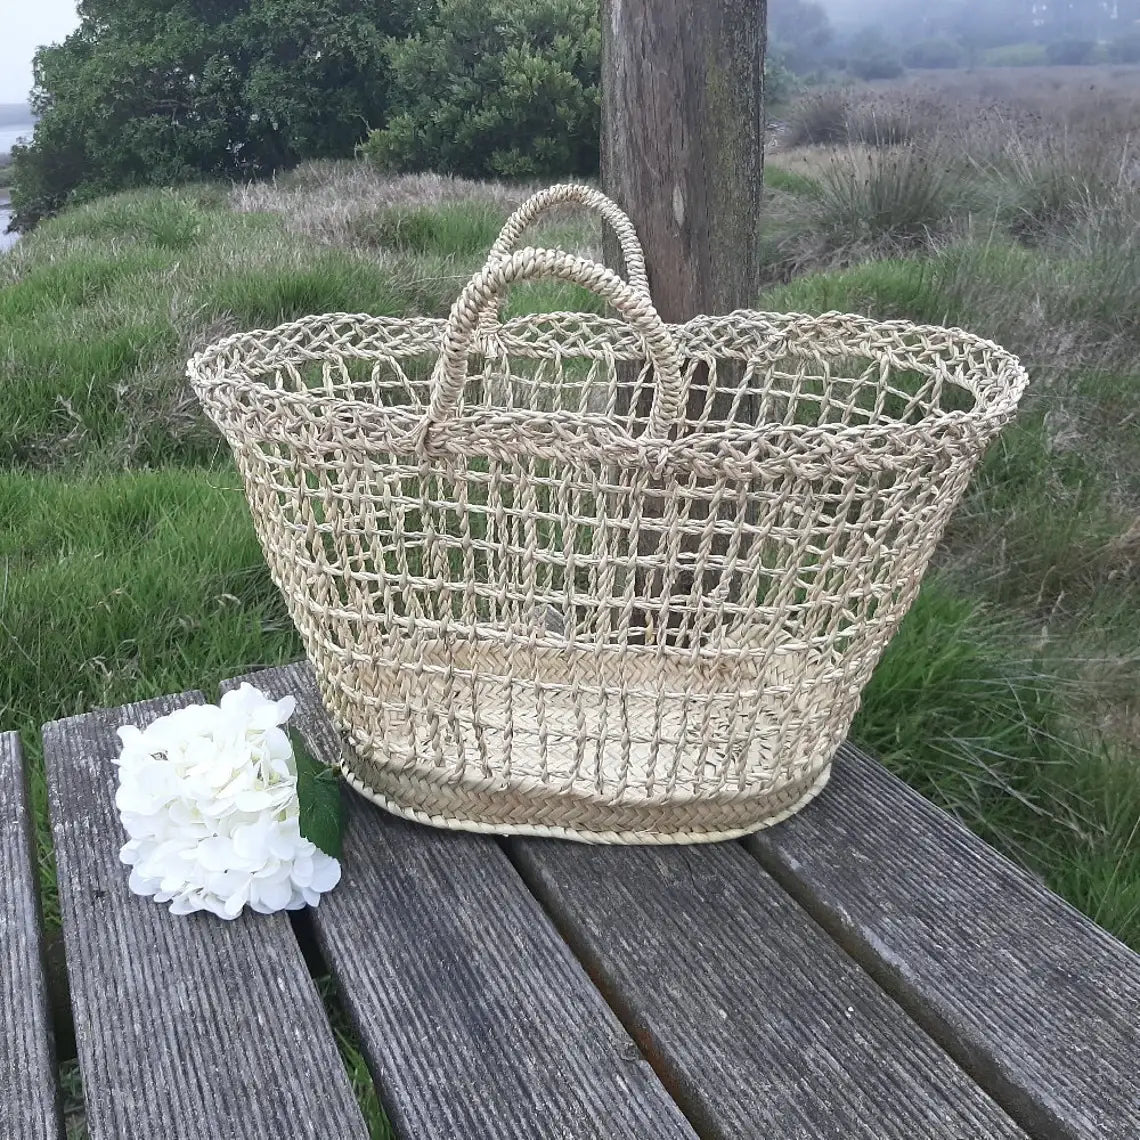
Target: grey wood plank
[[1036, 1001], [187, 1027], [29, 1105], [474, 1015], [760, 1025]]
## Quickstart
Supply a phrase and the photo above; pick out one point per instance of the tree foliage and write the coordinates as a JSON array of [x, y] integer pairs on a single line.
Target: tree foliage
[[496, 88], [1126, 48], [799, 33], [159, 91], [873, 55], [780, 82], [1070, 51], [934, 53]]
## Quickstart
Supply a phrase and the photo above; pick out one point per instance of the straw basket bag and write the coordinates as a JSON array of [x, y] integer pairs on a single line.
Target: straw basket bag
[[595, 576]]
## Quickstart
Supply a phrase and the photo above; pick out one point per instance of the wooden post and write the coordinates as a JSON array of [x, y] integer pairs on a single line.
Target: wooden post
[[683, 144], [683, 155]]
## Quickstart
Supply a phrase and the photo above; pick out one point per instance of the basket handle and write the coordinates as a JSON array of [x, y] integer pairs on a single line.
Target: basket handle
[[632, 254], [483, 294]]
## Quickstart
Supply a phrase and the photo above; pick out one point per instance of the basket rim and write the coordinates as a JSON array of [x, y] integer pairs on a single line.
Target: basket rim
[[772, 323], [597, 437]]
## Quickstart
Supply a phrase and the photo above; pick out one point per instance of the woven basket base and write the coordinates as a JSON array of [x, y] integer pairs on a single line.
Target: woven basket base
[[489, 807]]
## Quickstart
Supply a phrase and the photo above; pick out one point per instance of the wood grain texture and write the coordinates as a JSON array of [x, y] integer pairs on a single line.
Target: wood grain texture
[[475, 1017], [758, 1023], [683, 144], [187, 1027], [1036, 1001], [29, 1103], [682, 153]]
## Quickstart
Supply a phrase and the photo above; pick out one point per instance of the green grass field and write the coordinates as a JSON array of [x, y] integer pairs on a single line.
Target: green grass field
[[129, 568]]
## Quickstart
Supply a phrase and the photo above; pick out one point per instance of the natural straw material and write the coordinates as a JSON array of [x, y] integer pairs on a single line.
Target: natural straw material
[[599, 577]]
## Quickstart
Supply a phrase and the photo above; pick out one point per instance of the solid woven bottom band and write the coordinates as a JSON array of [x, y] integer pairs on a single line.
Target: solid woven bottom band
[[502, 811]]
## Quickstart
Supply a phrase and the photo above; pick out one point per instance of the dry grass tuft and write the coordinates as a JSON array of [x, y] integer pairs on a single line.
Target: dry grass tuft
[[327, 201], [978, 110]]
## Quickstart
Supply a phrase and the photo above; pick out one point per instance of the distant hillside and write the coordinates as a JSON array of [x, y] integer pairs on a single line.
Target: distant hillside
[[15, 114]]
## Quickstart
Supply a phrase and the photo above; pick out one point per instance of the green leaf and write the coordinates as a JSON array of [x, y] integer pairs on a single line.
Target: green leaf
[[318, 792]]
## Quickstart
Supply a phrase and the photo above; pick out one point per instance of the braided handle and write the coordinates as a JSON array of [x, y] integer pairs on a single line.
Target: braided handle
[[632, 253], [484, 293]]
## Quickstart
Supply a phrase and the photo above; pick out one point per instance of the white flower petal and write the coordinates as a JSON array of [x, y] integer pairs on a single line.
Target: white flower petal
[[302, 874], [140, 884], [326, 872], [234, 905], [273, 895], [257, 800], [218, 906]]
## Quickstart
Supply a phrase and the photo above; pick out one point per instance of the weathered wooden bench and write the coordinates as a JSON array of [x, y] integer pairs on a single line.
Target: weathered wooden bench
[[868, 969]]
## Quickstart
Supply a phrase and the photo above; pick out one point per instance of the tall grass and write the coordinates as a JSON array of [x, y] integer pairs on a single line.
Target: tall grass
[[446, 230], [100, 308], [123, 587], [883, 200], [1024, 228], [968, 714]]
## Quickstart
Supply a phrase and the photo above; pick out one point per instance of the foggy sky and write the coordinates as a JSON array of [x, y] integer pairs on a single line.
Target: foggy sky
[[24, 26]]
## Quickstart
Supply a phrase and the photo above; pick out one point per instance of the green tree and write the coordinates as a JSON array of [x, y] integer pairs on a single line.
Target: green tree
[[874, 55], [1070, 51], [1125, 48], [800, 32], [158, 91], [496, 88], [934, 53]]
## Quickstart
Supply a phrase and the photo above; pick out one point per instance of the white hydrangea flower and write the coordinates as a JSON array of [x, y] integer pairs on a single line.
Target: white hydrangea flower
[[208, 797]]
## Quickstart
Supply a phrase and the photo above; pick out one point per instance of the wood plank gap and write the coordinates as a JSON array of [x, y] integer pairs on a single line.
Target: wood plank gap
[[750, 1016], [346, 1031], [672, 1081], [970, 1059], [30, 1102], [1034, 1001]]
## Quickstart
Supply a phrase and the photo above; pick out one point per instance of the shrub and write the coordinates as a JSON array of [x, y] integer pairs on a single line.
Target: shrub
[[506, 88], [1015, 55], [884, 121], [819, 118], [935, 53], [1070, 52], [1043, 186], [880, 64], [837, 116], [780, 84], [1126, 48], [887, 201]]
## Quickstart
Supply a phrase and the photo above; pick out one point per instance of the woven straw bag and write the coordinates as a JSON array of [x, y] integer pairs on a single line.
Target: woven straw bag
[[595, 576]]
